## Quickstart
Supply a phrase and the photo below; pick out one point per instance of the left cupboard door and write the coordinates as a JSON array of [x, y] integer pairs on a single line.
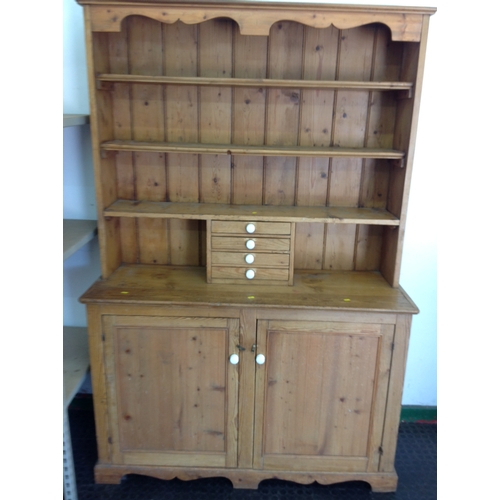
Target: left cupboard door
[[172, 391]]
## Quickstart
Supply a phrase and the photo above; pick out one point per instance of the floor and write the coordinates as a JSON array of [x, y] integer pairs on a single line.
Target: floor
[[415, 464]]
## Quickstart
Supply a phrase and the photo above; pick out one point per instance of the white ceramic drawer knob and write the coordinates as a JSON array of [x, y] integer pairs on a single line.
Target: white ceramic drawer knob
[[234, 359], [250, 244], [260, 359], [250, 274], [249, 258], [250, 228]]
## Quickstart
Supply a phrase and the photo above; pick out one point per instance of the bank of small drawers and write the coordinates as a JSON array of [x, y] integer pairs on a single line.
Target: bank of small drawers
[[246, 252]]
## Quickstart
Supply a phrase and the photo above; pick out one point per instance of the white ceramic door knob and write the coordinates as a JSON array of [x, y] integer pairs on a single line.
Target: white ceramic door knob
[[250, 244], [250, 228], [234, 359], [249, 258], [260, 359], [250, 274]]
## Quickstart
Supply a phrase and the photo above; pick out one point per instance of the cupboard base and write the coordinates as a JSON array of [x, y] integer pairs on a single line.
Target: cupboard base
[[245, 479]]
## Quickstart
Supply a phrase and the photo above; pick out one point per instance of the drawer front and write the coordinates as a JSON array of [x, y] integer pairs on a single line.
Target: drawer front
[[259, 259], [236, 243], [241, 227], [239, 273]]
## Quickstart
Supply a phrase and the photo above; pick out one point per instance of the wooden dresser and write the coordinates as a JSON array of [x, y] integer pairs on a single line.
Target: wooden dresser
[[252, 166]]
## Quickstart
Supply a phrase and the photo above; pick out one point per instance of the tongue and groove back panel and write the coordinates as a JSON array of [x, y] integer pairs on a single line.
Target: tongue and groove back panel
[[251, 116]]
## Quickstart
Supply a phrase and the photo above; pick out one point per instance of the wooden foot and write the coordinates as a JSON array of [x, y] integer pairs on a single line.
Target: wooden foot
[[244, 478], [104, 475], [245, 483]]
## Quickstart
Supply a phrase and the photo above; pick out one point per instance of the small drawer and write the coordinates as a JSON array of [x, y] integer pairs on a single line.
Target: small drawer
[[250, 259], [243, 244], [240, 273], [250, 227]]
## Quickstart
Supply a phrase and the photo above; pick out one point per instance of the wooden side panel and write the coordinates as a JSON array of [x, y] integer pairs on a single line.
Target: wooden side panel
[[181, 111], [101, 111], [174, 393], [404, 139]]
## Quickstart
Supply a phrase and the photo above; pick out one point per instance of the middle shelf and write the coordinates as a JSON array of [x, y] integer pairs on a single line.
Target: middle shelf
[[277, 213], [234, 149]]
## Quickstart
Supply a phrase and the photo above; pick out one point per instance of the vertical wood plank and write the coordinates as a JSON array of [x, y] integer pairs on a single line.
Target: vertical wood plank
[[380, 130], [215, 48], [118, 50], [249, 111], [232, 388], [380, 400], [260, 396], [374, 184], [311, 191], [283, 110], [395, 392], [320, 63], [148, 124], [369, 247], [355, 63], [99, 393], [181, 110], [248, 325], [247, 180], [339, 247], [349, 127], [340, 241]]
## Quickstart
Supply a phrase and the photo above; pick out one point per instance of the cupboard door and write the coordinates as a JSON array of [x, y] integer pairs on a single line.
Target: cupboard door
[[320, 398], [173, 393]]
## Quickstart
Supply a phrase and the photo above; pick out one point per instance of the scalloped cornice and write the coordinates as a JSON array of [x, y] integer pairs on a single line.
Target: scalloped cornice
[[256, 18]]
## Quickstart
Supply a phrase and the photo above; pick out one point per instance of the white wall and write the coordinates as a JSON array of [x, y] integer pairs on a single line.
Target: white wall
[[419, 266]]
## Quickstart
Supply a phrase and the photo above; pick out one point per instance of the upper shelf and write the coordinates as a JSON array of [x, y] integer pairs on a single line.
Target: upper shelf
[[77, 233], [276, 213], [405, 87], [233, 149]]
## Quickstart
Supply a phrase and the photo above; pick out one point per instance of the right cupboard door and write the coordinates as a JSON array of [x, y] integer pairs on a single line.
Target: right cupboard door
[[320, 395]]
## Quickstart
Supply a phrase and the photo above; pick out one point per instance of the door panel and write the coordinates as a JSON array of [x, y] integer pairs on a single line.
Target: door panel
[[318, 394], [173, 392]]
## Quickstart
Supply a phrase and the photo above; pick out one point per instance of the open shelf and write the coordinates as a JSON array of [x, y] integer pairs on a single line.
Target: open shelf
[[150, 284], [75, 120], [77, 233], [257, 82], [75, 360], [276, 213], [233, 149]]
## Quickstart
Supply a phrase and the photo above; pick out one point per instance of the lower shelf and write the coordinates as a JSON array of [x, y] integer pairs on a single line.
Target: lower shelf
[[343, 290]]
